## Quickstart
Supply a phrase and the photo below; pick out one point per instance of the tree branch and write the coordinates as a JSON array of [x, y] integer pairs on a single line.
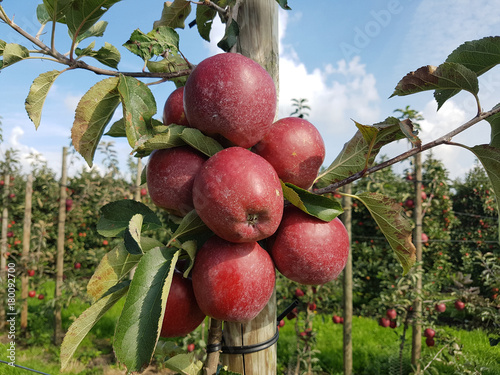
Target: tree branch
[[445, 139], [214, 338]]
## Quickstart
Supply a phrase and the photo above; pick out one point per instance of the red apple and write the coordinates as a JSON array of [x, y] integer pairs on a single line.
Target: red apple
[[384, 322], [41, 296], [341, 320], [440, 307], [391, 314], [459, 305], [170, 175], [312, 306], [105, 242], [425, 238], [238, 195], [173, 110], [10, 234], [393, 324], [31, 273], [429, 341], [231, 95], [423, 195], [336, 319], [308, 250], [182, 313], [292, 314], [295, 149], [78, 266], [144, 192], [299, 292], [190, 347], [429, 332], [232, 281], [69, 204], [32, 293], [409, 203], [281, 323]]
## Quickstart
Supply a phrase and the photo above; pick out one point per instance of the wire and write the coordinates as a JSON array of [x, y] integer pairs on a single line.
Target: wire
[[24, 368]]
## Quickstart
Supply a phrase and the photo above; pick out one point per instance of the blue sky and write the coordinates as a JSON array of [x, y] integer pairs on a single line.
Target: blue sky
[[344, 57]]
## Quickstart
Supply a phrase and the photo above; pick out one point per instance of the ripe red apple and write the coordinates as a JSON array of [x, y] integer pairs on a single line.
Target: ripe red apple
[[105, 242], [384, 322], [10, 234], [336, 319], [232, 281], [173, 110], [429, 332], [190, 347], [292, 314], [182, 313], [281, 323], [299, 292], [32, 293], [423, 195], [78, 266], [41, 296], [459, 305], [308, 250], [69, 204], [440, 307], [170, 175], [425, 238], [295, 149], [31, 273], [429, 341], [393, 324], [144, 192], [409, 203], [231, 95], [238, 195], [391, 314], [312, 306]]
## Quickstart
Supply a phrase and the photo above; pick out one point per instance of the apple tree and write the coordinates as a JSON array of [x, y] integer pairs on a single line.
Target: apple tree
[[240, 198]]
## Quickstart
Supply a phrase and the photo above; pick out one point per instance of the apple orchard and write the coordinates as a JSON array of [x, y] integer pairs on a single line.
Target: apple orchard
[[242, 204]]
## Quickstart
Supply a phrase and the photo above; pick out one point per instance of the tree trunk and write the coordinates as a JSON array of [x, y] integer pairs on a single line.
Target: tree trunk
[[25, 253], [347, 286], [3, 247], [417, 305], [58, 332], [137, 190], [258, 40]]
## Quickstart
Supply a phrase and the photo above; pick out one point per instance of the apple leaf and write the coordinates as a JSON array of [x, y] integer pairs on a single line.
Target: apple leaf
[[116, 216], [230, 37], [396, 227], [478, 55], [138, 327], [96, 30], [81, 15], [117, 130], [360, 151], [190, 224], [319, 206], [174, 14], [171, 137], [155, 43], [447, 76], [132, 235], [55, 9], [13, 53], [107, 55], [42, 15], [38, 93], [495, 128], [93, 113], [190, 248], [196, 139], [283, 4], [87, 319], [204, 20], [3, 43], [173, 62], [185, 364]]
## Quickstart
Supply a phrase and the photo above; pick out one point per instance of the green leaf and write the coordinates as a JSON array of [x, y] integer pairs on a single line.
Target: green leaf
[[190, 247], [42, 15], [132, 235], [117, 130], [116, 216], [230, 37], [139, 106], [394, 224], [495, 128], [190, 224], [138, 327], [37, 95], [319, 206], [107, 55], [96, 30], [447, 76], [93, 113], [13, 53], [284, 4], [84, 323], [155, 43], [360, 152], [113, 268], [185, 364], [2, 46], [204, 20], [87, 51], [83, 14], [172, 62], [55, 9], [196, 139], [167, 139], [174, 14]]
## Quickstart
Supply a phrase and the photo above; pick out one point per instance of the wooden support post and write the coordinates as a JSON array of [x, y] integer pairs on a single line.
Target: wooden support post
[[137, 190], [347, 285], [58, 332], [3, 246], [25, 253]]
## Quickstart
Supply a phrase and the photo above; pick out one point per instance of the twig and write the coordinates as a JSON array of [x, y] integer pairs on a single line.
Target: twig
[[223, 12], [433, 359], [214, 338]]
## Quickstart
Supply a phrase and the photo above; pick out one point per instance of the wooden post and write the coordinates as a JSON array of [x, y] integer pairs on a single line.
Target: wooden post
[[137, 190], [347, 285], [25, 253], [58, 332], [258, 40], [417, 305], [3, 246]]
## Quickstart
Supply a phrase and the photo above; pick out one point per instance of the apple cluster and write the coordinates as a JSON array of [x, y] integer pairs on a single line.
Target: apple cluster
[[238, 194]]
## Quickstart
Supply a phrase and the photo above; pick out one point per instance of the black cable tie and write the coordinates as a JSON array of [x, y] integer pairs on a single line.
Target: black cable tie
[[192, 24], [212, 348], [293, 305], [248, 349]]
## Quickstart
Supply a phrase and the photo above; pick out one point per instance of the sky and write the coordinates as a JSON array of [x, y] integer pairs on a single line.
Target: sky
[[344, 57]]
